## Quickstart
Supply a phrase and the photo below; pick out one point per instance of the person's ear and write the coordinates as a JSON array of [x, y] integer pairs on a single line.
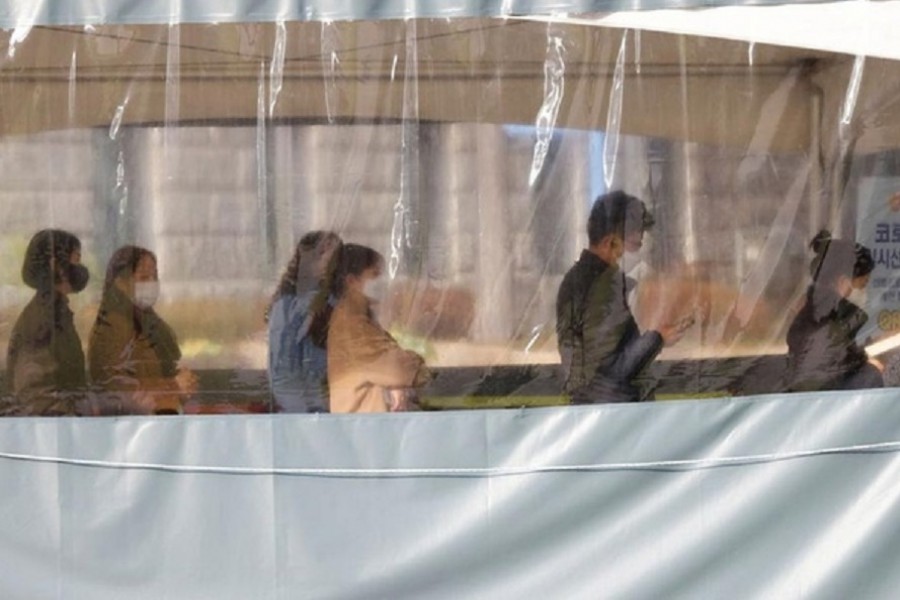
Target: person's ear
[[616, 245], [844, 286]]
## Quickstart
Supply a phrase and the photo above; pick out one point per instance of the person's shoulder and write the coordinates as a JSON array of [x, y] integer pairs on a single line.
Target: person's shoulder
[[35, 318], [586, 268], [111, 317], [852, 314], [344, 309], [288, 304]]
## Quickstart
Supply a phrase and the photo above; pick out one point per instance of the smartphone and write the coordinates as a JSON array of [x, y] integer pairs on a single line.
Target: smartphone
[[685, 322]]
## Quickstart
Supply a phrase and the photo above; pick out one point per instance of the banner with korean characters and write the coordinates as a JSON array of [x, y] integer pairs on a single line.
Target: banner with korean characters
[[878, 228]]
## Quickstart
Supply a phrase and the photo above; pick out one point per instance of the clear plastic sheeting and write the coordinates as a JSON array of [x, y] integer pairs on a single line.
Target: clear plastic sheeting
[[468, 153], [766, 498]]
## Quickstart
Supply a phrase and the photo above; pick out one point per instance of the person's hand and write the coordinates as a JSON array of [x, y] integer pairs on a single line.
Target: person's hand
[[399, 400], [673, 332], [877, 364], [186, 381], [142, 403]]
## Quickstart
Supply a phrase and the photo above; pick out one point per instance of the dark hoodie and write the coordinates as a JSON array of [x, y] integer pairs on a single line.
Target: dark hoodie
[[822, 349]]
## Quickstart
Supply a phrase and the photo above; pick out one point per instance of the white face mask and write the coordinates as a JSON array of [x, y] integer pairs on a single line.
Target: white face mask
[[858, 297], [375, 289], [146, 293], [630, 262]]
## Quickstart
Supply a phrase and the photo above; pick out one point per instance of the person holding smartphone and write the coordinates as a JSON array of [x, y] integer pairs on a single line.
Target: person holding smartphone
[[601, 347], [822, 350]]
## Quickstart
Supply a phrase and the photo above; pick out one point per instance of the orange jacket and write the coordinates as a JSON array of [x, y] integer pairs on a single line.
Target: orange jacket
[[364, 361]]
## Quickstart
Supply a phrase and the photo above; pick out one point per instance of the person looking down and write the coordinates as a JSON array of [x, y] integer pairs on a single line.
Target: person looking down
[[601, 347], [822, 349], [368, 371], [133, 353]]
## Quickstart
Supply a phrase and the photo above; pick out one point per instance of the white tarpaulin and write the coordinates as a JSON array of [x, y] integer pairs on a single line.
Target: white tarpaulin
[[756, 498]]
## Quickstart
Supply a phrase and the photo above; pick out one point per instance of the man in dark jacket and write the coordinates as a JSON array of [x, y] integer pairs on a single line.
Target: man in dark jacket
[[601, 347]]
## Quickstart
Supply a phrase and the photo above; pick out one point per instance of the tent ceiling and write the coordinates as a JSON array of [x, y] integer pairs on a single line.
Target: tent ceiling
[[474, 70]]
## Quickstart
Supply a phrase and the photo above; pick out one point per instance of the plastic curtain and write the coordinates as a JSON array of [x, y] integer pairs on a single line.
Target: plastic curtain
[[466, 152]]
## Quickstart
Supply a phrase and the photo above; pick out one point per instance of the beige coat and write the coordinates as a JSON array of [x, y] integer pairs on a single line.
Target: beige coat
[[364, 361]]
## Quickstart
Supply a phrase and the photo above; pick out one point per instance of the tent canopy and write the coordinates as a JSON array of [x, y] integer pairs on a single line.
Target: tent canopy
[[567, 74]]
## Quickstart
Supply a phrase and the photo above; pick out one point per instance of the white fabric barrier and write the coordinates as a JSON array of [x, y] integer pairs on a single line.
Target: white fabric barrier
[[18, 13], [773, 497]]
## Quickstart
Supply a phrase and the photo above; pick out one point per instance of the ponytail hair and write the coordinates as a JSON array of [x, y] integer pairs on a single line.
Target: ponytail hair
[[836, 258], [308, 249]]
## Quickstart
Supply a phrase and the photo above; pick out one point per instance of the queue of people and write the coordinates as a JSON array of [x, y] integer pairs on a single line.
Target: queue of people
[[327, 351], [132, 355], [603, 351]]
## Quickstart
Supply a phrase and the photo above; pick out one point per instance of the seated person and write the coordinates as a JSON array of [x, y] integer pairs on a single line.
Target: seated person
[[132, 353], [298, 325], [367, 370], [822, 349], [45, 362]]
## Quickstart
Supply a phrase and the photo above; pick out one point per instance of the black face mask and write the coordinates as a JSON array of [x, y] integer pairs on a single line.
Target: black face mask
[[78, 276]]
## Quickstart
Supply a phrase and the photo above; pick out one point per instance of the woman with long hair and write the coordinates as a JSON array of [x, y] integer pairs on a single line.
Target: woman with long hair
[[368, 371], [822, 349], [45, 362], [133, 353], [298, 317]]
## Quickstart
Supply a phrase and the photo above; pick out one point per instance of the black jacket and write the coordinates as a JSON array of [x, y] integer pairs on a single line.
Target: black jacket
[[822, 348], [601, 347]]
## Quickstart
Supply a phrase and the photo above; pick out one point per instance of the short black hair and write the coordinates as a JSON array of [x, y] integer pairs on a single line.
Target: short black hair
[[617, 213], [47, 247]]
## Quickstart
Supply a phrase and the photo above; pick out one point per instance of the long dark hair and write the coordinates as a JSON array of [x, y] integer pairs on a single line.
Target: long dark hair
[[124, 261], [354, 260], [144, 320], [836, 258], [310, 247]]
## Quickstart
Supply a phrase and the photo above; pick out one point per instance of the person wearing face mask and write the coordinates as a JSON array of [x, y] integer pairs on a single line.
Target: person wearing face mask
[[298, 318], [132, 353], [45, 361], [368, 371], [600, 346], [822, 349]]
